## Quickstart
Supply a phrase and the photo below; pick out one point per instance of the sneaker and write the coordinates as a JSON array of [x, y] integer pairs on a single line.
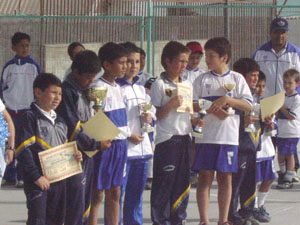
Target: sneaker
[[262, 215], [225, 223], [280, 177], [284, 185], [296, 179], [7, 183], [20, 184]]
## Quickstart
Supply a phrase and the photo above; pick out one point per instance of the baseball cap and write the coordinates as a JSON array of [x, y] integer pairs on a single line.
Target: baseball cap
[[195, 47], [279, 24]]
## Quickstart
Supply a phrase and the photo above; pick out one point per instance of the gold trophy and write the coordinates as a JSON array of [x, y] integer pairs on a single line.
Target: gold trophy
[[97, 95], [203, 105], [144, 108], [228, 88]]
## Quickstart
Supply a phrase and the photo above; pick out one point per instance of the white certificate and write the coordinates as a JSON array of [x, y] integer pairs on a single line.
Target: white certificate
[[186, 92]]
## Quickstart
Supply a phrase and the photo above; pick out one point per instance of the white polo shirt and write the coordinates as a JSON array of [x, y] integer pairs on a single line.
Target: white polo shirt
[[174, 123], [290, 128], [209, 86], [191, 75]]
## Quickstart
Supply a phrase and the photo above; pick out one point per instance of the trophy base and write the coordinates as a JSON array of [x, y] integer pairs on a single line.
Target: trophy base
[[148, 129], [197, 134], [231, 111], [250, 129]]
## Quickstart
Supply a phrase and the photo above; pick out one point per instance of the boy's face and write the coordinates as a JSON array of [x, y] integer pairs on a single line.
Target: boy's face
[[289, 85], [213, 60], [49, 99], [252, 78], [116, 68], [76, 50], [261, 88], [176, 66], [133, 65], [194, 60], [84, 80], [22, 49]]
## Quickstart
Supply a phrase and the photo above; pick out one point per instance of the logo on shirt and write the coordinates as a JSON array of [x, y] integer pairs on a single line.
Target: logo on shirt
[[265, 57], [168, 92], [208, 87], [44, 131]]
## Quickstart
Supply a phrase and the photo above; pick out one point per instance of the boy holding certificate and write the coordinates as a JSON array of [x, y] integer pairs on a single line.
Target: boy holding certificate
[[41, 130], [75, 109]]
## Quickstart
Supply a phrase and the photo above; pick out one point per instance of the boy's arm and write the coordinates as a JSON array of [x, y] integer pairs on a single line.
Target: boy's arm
[[164, 110], [26, 143], [11, 137], [287, 114], [220, 103], [68, 110]]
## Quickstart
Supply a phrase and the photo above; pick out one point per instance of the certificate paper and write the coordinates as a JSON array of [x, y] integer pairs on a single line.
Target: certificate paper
[[271, 105], [59, 163], [186, 92]]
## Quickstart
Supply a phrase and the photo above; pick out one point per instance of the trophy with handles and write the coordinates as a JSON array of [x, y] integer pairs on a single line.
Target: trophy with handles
[[145, 108], [229, 87], [203, 105], [97, 95]]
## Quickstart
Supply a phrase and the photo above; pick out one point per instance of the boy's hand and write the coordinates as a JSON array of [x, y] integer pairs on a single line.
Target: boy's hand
[[147, 118], [176, 101], [220, 103], [9, 156], [250, 120], [197, 121], [105, 144], [43, 183], [269, 122], [136, 139], [78, 156]]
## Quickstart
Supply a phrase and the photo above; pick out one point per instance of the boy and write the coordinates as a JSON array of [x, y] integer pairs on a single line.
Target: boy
[[171, 169], [75, 109], [243, 182], [73, 49], [192, 70], [16, 90], [109, 165], [139, 145], [265, 170], [41, 130], [217, 151], [288, 128]]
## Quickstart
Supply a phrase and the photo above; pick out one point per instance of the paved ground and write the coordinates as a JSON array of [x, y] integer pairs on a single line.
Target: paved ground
[[283, 205]]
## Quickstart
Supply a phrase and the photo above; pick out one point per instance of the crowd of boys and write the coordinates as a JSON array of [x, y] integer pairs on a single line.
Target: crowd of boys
[[236, 143]]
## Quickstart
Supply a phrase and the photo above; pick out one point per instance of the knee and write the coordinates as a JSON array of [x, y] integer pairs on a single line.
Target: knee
[[113, 194], [98, 196]]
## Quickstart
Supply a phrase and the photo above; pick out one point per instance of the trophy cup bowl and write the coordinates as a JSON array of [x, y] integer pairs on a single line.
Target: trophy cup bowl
[[255, 111], [97, 95], [228, 88], [203, 105], [144, 108]]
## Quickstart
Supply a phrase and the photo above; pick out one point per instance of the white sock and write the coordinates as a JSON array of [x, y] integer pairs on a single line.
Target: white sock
[[282, 167], [261, 198]]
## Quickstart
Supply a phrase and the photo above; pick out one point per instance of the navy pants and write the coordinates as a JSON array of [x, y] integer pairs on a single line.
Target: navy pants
[[135, 178], [79, 190], [244, 183], [45, 207], [170, 186]]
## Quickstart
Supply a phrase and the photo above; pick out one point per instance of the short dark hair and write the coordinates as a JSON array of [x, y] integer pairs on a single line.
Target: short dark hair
[[172, 50], [245, 66], [142, 52], [130, 47], [292, 73], [72, 46], [220, 45], [111, 51], [86, 62], [18, 37], [262, 76], [45, 80]]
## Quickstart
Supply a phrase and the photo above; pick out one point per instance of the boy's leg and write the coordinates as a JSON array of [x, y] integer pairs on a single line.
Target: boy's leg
[[112, 198], [56, 203], [133, 201], [205, 179], [36, 204], [97, 198], [88, 170]]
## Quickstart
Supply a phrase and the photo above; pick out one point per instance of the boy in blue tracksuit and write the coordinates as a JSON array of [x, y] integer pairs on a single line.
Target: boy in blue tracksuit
[[41, 130], [16, 90], [139, 145], [75, 109]]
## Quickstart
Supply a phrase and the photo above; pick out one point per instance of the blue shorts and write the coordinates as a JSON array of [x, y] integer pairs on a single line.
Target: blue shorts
[[221, 158], [265, 170], [109, 165], [287, 146]]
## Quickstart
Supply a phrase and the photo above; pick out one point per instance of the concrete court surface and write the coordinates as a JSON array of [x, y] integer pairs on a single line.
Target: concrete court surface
[[283, 205]]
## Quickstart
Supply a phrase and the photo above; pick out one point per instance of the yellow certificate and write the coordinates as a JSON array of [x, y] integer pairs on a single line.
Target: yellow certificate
[[185, 91], [271, 105], [59, 163]]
